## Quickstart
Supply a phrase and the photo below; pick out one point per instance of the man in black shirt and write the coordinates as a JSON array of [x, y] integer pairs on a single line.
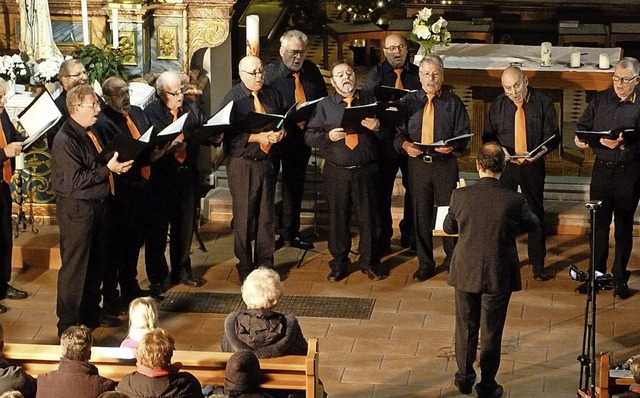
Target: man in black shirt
[[82, 187], [541, 124], [398, 73], [349, 173], [10, 147], [298, 80], [433, 114], [129, 208], [174, 184], [616, 170], [250, 170], [72, 73]]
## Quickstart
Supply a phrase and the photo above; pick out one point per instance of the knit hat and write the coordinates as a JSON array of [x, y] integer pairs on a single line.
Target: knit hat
[[242, 372]]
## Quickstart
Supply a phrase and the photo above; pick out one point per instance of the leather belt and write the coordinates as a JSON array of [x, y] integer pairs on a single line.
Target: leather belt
[[615, 165], [356, 167], [431, 159]]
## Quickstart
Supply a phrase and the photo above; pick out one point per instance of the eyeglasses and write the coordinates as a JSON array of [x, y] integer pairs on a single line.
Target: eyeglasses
[[93, 104], [295, 53], [433, 75], [399, 47], [623, 80], [255, 73], [182, 91], [515, 86], [84, 72], [348, 73]]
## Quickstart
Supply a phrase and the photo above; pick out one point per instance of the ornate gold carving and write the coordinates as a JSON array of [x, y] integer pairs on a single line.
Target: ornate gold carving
[[167, 42], [128, 47], [207, 34]]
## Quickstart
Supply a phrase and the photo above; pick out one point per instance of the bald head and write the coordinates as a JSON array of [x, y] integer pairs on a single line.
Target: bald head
[[395, 50], [251, 72], [515, 84], [170, 89]]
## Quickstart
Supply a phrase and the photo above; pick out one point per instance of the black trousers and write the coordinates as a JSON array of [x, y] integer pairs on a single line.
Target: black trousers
[[83, 242], [431, 185], [172, 204], [389, 161], [6, 237], [252, 187], [293, 154], [618, 187], [130, 218], [530, 177], [485, 313], [346, 188]]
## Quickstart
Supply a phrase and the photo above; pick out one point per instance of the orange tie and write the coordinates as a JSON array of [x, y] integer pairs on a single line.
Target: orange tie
[[398, 79], [99, 149], [428, 121], [7, 172], [351, 140], [135, 133], [300, 97], [257, 105], [520, 130], [182, 155]]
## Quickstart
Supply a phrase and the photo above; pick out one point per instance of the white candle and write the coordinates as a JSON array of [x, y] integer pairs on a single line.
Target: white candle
[[115, 28], [253, 35], [20, 162], [604, 61], [85, 22], [545, 53], [575, 59]]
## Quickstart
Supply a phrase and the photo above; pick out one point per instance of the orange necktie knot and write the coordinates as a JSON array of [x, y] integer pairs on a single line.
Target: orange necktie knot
[[398, 78], [174, 113]]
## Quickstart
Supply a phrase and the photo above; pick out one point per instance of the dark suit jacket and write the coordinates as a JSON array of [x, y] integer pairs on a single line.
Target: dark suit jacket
[[488, 218]]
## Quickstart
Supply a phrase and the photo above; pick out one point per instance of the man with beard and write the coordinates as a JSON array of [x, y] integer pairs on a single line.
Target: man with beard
[[395, 72], [250, 170], [520, 120], [298, 80], [72, 73], [82, 187], [349, 174], [174, 183]]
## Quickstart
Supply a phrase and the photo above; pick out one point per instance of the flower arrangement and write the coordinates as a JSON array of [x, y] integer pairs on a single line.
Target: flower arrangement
[[430, 30], [45, 71], [12, 67]]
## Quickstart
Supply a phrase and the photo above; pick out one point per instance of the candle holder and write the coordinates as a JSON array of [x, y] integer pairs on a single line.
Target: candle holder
[[21, 195]]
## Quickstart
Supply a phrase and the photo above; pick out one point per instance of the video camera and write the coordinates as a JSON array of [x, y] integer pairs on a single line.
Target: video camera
[[603, 281]]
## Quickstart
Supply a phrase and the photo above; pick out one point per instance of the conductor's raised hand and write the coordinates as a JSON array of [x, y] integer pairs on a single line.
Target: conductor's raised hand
[[118, 167], [337, 134]]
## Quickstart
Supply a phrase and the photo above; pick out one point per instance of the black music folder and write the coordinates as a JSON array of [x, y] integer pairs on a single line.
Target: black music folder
[[534, 151], [593, 137], [301, 113], [169, 133], [391, 113], [353, 117], [217, 125], [38, 117], [256, 122], [388, 93], [127, 147], [441, 143]]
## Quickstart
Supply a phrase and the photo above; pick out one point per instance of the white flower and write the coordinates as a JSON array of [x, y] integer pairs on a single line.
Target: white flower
[[424, 14], [422, 32]]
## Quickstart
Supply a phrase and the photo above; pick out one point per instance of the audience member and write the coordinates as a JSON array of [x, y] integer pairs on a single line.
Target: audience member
[[635, 371], [298, 80], [349, 173], [9, 149], [143, 317], [242, 376], [520, 120], [174, 186], [13, 377], [484, 268], [433, 114], [156, 375], [250, 170], [75, 377], [82, 186], [12, 394], [267, 333], [616, 171]]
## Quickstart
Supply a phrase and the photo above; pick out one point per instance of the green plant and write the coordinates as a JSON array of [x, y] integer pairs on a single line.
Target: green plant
[[101, 63]]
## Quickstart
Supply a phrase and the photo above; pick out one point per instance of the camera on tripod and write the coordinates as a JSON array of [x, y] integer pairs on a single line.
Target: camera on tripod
[[603, 281]]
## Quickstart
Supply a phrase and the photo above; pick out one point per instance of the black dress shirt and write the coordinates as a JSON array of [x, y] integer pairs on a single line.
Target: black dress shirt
[[236, 142], [160, 116], [113, 123], [540, 116], [281, 78], [326, 117], [74, 170], [451, 120], [607, 112], [11, 135]]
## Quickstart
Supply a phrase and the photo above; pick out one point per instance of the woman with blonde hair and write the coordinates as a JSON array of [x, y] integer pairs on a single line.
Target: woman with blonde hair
[[143, 317]]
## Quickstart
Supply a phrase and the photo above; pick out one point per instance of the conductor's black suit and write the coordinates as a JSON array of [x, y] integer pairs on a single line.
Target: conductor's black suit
[[484, 270]]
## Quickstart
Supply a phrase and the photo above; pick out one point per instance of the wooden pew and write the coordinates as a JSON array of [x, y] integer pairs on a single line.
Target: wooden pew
[[292, 372], [605, 383]]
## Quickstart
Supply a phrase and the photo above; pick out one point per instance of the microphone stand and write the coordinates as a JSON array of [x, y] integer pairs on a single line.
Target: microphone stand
[[588, 357]]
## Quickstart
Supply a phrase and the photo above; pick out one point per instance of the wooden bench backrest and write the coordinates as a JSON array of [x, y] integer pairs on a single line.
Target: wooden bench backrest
[[292, 372]]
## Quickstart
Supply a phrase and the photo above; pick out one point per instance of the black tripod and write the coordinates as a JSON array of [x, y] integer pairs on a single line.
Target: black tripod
[[588, 357]]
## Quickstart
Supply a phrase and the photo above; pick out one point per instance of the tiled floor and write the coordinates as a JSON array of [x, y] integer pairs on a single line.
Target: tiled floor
[[406, 348]]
